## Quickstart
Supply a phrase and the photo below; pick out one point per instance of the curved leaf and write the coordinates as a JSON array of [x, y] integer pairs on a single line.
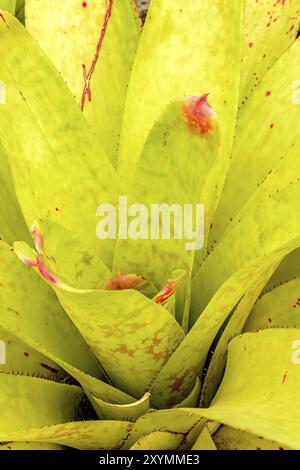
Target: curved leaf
[[85, 435], [279, 308], [177, 377], [125, 412], [159, 441], [260, 389], [28, 402], [234, 327], [24, 360]]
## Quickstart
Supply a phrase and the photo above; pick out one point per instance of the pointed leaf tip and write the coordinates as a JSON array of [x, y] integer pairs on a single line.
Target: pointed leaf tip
[[166, 292], [199, 114], [30, 258], [123, 282], [37, 236]]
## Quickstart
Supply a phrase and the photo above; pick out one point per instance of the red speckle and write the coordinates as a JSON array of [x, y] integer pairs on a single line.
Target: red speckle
[[166, 292], [284, 377], [250, 45], [271, 126], [57, 209], [26, 354], [84, 4], [199, 114], [268, 93], [270, 320]]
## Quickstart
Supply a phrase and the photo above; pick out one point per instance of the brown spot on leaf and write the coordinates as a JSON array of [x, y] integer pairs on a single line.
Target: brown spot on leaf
[[284, 378], [123, 349], [123, 282], [297, 304], [177, 384]]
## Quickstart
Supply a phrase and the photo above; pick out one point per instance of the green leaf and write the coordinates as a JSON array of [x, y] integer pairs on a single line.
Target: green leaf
[[139, 334], [53, 143], [169, 421], [227, 438], [204, 441], [277, 309], [8, 5], [177, 156], [267, 127], [28, 402], [85, 435], [80, 30], [159, 441], [233, 328], [129, 412], [177, 377], [22, 359], [128, 333], [181, 64], [90, 383], [270, 28], [259, 230], [67, 256], [260, 388], [27, 305], [20, 10], [288, 270], [31, 313], [192, 398], [12, 224], [30, 446]]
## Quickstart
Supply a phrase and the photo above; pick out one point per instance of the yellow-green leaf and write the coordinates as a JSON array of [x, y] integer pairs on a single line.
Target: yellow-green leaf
[[82, 37]]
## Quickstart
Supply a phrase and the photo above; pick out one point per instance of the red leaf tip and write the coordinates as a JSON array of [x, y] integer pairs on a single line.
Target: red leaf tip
[[199, 114]]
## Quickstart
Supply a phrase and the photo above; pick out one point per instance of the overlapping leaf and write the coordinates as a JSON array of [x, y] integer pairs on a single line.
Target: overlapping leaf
[[78, 37], [53, 143]]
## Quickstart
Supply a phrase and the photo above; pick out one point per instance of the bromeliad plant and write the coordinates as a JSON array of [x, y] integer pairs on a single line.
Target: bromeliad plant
[[141, 344]]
